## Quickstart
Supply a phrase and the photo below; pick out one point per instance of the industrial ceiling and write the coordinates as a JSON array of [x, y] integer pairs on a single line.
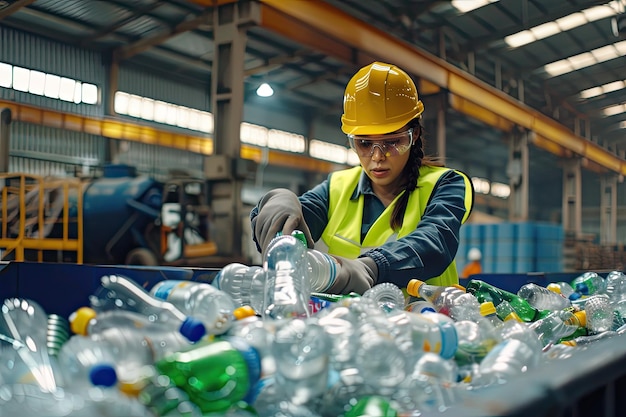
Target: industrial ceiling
[[308, 50]]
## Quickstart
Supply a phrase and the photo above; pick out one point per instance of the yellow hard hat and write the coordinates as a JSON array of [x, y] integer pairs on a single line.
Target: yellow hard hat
[[380, 98]]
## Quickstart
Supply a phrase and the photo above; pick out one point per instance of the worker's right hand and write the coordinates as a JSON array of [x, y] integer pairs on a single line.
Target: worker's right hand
[[279, 211]]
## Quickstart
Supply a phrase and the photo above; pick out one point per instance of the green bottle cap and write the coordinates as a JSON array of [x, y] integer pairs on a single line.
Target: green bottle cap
[[298, 234]]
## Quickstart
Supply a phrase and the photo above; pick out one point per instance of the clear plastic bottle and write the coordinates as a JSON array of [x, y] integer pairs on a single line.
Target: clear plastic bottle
[[506, 312], [134, 350], [557, 325], [475, 340], [374, 339], [416, 333], [488, 311], [199, 299], [388, 296], [120, 292], [561, 287], [86, 362], [599, 311], [245, 284], [215, 374], [616, 286], [322, 268], [420, 306], [452, 301], [505, 361], [24, 323], [302, 351], [542, 298], [287, 289]]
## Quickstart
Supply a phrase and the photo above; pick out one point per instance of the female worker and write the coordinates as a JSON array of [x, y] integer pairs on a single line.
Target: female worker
[[393, 218]]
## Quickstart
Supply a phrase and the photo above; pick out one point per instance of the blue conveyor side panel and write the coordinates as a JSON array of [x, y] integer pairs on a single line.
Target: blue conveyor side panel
[[63, 288]]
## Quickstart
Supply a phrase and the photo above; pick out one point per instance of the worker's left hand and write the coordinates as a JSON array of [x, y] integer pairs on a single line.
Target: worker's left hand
[[354, 275]]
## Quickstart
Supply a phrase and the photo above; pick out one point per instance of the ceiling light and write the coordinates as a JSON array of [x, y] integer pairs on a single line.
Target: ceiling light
[[613, 110], [603, 89], [586, 59], [563, 24], [265, 90], [622, 124], [465, 6]]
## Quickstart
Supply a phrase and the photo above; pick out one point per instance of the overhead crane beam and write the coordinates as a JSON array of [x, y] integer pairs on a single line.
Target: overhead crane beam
[[14, 7], [320, 26]]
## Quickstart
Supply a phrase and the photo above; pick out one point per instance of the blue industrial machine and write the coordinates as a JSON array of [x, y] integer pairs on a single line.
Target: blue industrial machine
[[119, 218]]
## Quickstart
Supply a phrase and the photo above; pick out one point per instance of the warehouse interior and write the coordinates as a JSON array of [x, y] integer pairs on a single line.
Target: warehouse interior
[[527, 97]]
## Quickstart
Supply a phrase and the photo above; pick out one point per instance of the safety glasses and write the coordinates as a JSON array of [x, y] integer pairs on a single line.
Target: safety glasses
[[393, 144]]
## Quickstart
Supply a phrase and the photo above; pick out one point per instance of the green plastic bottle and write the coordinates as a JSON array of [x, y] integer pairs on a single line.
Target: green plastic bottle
[[372, 406], [215, 374], [486, 292]]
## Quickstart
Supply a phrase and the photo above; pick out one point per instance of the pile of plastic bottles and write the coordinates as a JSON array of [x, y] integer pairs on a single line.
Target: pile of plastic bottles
[[267, 341]]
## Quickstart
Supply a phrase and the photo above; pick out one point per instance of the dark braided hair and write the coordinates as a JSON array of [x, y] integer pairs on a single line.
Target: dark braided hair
[[411, 172]]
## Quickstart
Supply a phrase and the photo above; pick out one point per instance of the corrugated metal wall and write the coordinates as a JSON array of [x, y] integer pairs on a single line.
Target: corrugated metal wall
[[31, 52], [152, 160], [134, 81], [47, 151]]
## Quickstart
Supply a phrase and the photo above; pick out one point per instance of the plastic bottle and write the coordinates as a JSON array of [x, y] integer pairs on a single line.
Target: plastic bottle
[[340, 323], [542, 298], [259, 334], [589, 283], [134, 350], [616, 286], [85, 362], [505, 361], [120, 292], [487, 292], [159, 394], [30, 400], [322, 268], [245, 284], [387, 296], [215, 374], [452, 301], [475, 340], [287, 289], [561, 287], [416, 333], [372, 406], [420, 306], [488, 311], [557, 325], [599, 313], [374, 339], [302, 351], [506, 312], [24, 324], [214, 307]]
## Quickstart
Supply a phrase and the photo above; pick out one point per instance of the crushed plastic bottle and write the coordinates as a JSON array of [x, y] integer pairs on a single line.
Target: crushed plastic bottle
[[245, 284]]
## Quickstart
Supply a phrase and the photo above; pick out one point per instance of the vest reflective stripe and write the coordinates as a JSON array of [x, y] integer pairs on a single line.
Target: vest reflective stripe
[[343, 232]]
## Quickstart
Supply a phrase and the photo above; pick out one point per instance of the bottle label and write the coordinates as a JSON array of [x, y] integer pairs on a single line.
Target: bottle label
[[166, 288]]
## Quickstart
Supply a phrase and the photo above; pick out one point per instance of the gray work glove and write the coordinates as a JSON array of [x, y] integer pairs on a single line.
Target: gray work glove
[[354, 275], [279, 211]]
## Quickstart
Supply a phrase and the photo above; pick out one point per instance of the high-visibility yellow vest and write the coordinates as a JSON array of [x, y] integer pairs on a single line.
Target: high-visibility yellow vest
[[342, 235]]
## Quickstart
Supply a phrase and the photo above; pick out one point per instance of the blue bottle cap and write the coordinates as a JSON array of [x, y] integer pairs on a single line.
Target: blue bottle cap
[[449, 340], [582, 288], [192, 329], [103, 375], [574, 296], [250, 355]]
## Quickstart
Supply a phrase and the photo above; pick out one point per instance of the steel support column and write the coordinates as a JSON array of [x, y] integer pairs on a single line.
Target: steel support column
[[230, 23], [572, 198], [517, 171], [608, 209], [5, 121]]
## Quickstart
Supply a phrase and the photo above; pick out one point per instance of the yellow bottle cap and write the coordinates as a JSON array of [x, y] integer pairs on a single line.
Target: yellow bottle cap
[[554, 287], [582, 317], [513, 316], [569, 342], [487, 308], [460, 287], [243, 312], [414, 286], [79, 320]]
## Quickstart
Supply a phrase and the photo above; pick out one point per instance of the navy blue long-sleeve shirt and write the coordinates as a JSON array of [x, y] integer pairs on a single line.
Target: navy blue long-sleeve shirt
[[424, 253]]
